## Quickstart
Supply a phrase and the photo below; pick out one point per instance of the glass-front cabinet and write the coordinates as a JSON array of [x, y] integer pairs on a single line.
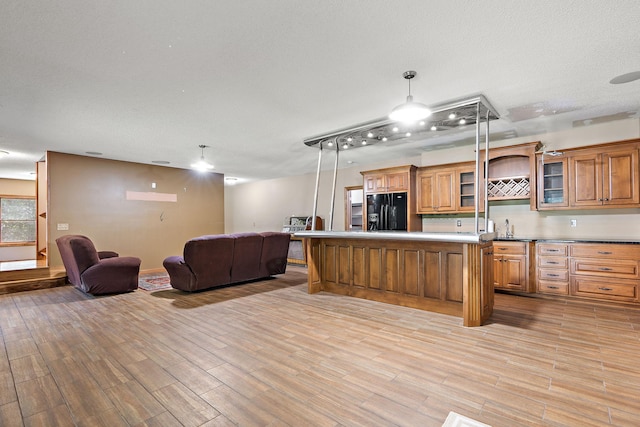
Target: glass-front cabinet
[[467, 189], [553, 190]]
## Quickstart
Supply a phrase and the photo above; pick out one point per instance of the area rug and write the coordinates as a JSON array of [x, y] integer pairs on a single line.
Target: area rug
[[155, 282]]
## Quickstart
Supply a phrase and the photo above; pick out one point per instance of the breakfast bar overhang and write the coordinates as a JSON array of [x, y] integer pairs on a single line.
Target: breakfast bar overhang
[[448, 273]]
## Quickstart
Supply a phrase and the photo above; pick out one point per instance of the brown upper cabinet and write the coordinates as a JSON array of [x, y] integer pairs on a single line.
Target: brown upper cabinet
[[451, 188], [601, 176], [604, 179], [387, 180], [435, 190]]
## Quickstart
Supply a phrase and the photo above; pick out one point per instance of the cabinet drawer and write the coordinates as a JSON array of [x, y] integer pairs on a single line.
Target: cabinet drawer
[[605, 289], [509, 248], [559, 288], [553, 262], [626, 269], [605, 251], [554, 249], [550, 274]]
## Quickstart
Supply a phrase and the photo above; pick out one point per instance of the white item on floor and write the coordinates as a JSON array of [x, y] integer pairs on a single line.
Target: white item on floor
[[457, 420]]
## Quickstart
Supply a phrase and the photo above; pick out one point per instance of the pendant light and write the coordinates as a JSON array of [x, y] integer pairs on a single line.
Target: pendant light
[[410, 111], [202, 165]]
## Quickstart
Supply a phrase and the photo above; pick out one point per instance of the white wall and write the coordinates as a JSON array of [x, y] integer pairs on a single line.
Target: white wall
[[263, 205]]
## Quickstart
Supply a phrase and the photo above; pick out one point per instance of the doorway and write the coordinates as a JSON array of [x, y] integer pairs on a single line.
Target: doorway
[[353, 197]]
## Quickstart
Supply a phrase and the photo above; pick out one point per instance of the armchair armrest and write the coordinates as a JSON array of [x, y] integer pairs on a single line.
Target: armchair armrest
[[111, 275], [107, 254]]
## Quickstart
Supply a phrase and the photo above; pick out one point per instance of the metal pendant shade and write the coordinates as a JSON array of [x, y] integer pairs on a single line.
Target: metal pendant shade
[[410, 111], [202, 165]]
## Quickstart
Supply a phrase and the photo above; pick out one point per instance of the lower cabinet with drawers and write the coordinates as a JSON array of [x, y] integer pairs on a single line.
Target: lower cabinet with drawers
[[553, 268], [606, 271], [512, 266]]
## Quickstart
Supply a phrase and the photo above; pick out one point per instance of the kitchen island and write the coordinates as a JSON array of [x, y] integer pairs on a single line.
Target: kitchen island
[[449, 273]]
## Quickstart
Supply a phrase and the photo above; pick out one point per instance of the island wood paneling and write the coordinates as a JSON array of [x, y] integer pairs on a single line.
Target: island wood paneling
[[421, 274]]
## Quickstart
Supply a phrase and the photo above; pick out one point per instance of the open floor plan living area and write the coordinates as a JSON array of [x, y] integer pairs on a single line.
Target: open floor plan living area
[[319, 213]]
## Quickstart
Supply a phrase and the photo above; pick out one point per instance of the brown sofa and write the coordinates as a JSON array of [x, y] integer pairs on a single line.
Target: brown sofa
[[96, 272], [218, 260]]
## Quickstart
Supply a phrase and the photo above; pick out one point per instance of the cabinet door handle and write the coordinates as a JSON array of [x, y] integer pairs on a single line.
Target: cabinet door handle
[[553, 287], [553, 250], [606, 199], [502, 249], [605, 252], [605, 269], [553, 275], [552, 262], [605, 289]]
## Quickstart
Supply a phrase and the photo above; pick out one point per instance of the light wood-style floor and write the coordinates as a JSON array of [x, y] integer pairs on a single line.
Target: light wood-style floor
[[269, 354]]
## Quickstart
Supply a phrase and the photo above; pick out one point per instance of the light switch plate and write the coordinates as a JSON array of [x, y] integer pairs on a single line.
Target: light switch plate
[[574, 222], [63, 227]]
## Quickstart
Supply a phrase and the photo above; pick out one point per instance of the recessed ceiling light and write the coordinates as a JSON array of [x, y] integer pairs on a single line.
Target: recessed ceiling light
[[330, 143], [160, 162], [370, 135], [349, 139], [345, 146], [395, 129], [93, 153], [452, 116], [384, 138], [422, 123], [364, 142], [407, 134], [434, 127], [462, 121]]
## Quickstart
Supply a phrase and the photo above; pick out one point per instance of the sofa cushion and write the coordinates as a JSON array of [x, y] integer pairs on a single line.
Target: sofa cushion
[[210, 258], [274, 253], [246, 256]]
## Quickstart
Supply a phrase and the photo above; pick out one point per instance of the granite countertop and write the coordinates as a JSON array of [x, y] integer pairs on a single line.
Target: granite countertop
[[567, 240], [399, 235]]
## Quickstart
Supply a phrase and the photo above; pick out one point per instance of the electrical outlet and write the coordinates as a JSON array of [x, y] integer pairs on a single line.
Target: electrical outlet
[[574, 222], [459, 223]]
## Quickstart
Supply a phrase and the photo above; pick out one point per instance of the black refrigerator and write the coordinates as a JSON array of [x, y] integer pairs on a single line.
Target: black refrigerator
[[387, 211]]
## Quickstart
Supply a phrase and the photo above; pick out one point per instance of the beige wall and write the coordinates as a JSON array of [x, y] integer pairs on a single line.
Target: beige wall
[[89, 194], [17, 187], [264, 205]]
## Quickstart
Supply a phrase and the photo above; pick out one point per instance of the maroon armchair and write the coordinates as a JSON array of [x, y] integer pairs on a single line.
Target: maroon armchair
[[96, 272]]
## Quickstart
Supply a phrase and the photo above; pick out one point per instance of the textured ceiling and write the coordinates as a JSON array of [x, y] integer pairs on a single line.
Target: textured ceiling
[[150, 80]]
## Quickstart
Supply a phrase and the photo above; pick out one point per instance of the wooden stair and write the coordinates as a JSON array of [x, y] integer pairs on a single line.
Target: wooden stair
[[19, 277]]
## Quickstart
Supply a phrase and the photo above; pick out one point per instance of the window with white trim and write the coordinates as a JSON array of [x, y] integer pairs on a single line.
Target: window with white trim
[[17, 220]]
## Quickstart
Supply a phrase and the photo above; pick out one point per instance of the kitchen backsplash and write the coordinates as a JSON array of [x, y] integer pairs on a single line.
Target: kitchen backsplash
[[614, 224]]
